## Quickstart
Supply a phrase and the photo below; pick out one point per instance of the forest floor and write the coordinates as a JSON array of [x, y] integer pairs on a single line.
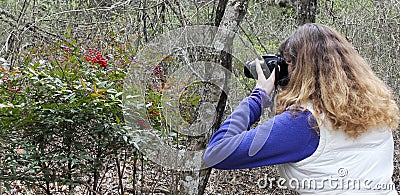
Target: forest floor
[[153, 179]]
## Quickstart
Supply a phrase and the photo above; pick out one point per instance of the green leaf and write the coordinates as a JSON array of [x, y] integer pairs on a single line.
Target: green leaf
[[7, 186], [83, 83], [112, 91], [117, 119]]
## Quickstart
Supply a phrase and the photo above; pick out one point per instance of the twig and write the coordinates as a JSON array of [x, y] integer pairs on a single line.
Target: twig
[[181, 17]]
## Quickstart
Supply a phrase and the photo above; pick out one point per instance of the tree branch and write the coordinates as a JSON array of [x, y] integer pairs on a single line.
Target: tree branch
[[178, 13]]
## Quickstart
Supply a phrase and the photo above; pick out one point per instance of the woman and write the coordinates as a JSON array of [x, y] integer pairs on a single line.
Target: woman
[[333, 129]]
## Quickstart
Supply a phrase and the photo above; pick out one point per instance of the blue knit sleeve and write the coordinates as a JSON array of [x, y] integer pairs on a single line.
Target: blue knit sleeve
[[281, 139]]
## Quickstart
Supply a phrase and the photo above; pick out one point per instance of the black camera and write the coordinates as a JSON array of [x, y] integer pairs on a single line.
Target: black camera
[[270, 62]]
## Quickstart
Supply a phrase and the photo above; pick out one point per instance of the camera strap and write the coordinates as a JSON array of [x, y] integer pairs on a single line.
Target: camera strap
[[276, 75]]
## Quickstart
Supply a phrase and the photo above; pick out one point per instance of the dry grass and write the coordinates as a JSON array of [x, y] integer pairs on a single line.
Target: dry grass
[[396, 160]]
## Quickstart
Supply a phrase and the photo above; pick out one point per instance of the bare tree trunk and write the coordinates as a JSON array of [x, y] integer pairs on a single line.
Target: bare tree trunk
[[220, 11], [306, 11], [144, 19], [229, 15]]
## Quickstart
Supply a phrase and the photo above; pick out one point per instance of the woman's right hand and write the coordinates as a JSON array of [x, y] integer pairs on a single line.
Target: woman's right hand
[[262, 82]]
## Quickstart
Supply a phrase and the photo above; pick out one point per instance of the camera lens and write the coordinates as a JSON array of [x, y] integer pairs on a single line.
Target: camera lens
[[251, 72]]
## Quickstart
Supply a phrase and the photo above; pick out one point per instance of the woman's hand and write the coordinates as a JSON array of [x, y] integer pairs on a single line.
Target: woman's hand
[[262, 82]]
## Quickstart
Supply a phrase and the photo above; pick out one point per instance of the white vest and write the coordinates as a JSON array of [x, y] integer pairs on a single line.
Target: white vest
[[344, 165]]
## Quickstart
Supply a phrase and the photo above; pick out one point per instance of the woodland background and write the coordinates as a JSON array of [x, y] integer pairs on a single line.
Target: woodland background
[[63, 63]]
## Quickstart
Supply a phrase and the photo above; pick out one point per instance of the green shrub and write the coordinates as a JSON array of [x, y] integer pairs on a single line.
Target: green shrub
[[61, 118]]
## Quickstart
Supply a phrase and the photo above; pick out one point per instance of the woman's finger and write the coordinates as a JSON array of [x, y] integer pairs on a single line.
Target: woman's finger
[[272, 75], [260, 73]]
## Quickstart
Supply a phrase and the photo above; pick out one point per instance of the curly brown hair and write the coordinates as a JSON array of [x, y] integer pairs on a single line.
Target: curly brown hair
[[328, 72]]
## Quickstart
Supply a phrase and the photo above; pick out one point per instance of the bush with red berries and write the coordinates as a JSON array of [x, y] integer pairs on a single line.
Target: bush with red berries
[[61, 117]]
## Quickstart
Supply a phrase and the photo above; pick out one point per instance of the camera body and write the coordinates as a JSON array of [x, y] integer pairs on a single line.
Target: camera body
[[270, 62]]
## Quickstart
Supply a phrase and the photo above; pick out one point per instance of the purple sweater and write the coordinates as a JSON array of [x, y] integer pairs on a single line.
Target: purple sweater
[[281, 139]]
